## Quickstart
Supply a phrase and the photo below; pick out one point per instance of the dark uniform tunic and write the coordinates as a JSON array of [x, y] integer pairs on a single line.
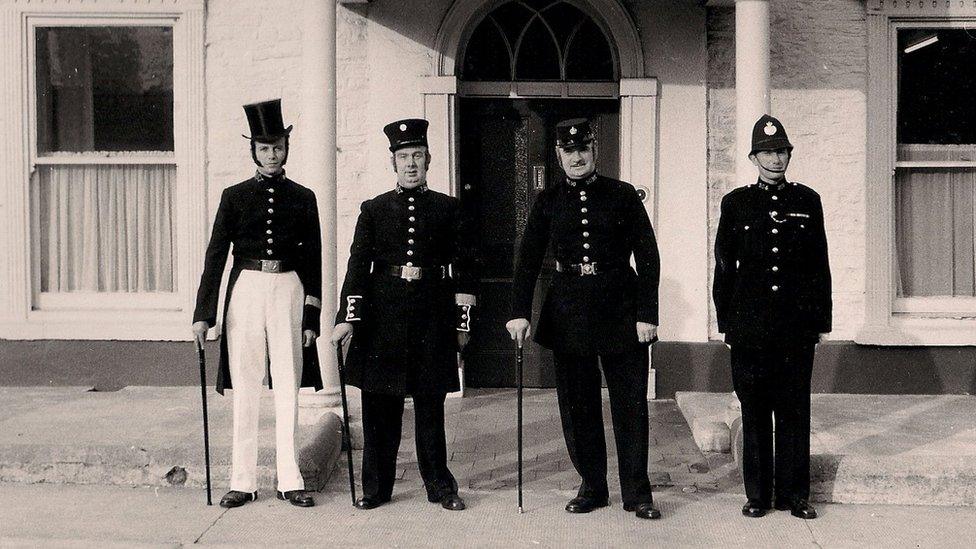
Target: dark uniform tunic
[[772, 294], [265, 218], [602, 222], [589, 320], [405, 340]]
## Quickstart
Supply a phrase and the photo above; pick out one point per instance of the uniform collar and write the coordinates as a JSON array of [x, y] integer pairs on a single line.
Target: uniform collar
[[421, 189], [771, 187], [581, 182], [260, 177]]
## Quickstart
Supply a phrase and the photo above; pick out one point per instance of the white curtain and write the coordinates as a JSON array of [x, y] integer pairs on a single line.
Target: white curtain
[[934, 232], [103, 228]]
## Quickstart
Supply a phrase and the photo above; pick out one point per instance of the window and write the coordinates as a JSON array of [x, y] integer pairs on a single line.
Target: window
[[102, 190], [538, 40], [935, 168]]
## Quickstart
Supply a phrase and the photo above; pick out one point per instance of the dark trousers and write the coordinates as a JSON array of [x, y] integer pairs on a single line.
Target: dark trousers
[[581, 411], [382, 427], [774, 383]]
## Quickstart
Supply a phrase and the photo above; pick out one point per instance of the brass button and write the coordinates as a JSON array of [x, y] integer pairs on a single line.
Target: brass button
[[775, 250], [584, 222], [775, 231], [409, 252], [269, 252], [410, 241], [270, 210], [271, 200], [411, 208], [586, 234], [412, 219], [270, 241], [775, 269], [586, 245], [586, 259], [411, 230], [409, 264], [775, 288]]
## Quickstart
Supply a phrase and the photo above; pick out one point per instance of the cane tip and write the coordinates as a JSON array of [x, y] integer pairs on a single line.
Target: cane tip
[[520, 509]]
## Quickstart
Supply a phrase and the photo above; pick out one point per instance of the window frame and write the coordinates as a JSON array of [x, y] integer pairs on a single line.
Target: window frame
[[28, 314], [889, 319]]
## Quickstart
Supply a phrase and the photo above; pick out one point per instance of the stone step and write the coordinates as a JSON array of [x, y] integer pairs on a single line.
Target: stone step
[[897, 449], [142, 436]]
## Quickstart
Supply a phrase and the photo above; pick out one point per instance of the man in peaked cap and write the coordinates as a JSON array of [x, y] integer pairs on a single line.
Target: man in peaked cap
[[272, 305], [405, 309], [773, 303], [599, 312]]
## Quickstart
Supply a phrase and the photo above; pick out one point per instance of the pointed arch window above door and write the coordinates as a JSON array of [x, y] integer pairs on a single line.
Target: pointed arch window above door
[[538, 41]]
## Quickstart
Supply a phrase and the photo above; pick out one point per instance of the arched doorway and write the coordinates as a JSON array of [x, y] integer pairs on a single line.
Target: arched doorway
[[526, 64]]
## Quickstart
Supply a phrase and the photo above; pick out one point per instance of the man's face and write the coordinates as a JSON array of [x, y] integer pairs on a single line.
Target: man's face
[[771, 164], [271, 155], [578, 162], [410, 165]]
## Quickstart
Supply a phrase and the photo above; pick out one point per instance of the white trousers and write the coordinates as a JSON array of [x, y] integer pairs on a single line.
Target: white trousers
[[264, 320]]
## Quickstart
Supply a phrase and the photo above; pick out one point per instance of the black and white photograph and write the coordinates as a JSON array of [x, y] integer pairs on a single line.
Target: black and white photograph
[[487, 273]]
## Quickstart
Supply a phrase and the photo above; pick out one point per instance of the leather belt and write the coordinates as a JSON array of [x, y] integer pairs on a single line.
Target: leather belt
[[592, 268], [265, 265], [437, 272]]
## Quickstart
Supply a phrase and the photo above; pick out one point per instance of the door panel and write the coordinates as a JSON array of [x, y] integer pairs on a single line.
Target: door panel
[[507, 158]]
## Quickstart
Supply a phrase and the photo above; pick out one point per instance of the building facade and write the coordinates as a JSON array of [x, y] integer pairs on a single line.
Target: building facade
[[121, 126]]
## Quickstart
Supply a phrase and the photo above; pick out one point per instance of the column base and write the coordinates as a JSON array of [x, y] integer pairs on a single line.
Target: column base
[[312, 405]]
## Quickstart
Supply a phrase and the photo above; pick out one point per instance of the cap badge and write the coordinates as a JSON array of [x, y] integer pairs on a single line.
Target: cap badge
[[770, 129], [403, 127], [573, 130]]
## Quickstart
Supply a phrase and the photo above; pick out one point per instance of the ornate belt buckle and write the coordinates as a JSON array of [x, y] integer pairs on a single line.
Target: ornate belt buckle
[[270, 266], [587, 268], [410, 273]]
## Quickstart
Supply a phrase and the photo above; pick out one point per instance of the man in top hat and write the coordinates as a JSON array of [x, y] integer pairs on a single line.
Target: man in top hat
[[406, 307], [598, 313], [772, 300], [272, 304]]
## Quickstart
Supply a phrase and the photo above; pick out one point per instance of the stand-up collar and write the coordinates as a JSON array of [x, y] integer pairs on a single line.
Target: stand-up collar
[[280, 176], [770, 186], [581, 182], [422, 188]]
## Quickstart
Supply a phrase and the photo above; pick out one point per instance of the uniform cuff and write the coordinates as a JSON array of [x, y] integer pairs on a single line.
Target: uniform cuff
[[313, 301], [465, 299], [464, 317], [353, 307]]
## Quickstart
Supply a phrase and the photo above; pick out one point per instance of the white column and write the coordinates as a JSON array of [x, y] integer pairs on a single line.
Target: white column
[[751, 79], [316, 138]]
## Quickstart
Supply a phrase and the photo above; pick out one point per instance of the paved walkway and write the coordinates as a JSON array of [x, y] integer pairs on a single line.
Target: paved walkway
[[111, 516], [481, 434]]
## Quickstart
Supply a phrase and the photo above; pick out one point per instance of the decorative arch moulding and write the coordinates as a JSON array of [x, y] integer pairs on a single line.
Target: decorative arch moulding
[[464, 15], [924, 8]]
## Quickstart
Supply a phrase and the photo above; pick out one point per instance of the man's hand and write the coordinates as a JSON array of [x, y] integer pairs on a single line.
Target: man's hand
[[200, 328], [342, 333], [463, 339], [519, 329], [308, 337], [646, 332]]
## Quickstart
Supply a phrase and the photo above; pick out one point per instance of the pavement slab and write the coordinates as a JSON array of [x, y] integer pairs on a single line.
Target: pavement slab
[[37, 515]]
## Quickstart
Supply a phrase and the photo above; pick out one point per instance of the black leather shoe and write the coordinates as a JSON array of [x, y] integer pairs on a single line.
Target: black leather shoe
[[236, 498], [754, 509], [298, 498], [452, 502], [583, 504], [643, 510], [799, 508], [369, 502]]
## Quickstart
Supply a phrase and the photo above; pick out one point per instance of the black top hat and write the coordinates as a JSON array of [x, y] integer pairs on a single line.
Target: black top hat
[[410, 132], [575, 132], [769, 135], [265, 121]]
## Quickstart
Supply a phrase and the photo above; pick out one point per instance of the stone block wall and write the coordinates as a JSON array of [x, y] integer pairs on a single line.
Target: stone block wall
[[818, 68]]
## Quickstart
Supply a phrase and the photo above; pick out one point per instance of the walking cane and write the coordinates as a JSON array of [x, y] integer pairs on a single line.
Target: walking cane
[[346, 439], [518, 373], [206, 423]]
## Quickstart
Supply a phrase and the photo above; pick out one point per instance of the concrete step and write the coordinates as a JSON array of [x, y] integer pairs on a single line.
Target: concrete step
[[899, 449], [142, 436]]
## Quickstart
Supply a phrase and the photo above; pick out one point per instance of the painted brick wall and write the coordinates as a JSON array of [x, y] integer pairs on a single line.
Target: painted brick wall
[[818, 77], [251, 56]]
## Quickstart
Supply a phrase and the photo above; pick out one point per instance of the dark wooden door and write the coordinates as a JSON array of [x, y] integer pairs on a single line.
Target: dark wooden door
[[507, 157]]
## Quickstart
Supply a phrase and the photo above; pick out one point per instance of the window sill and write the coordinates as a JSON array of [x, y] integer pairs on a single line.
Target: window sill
[[100, 325], [917, 331]]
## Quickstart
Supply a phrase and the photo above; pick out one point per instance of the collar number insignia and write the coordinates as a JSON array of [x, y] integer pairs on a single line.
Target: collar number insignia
[[573, 130], [403, 127], [770, 129]]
